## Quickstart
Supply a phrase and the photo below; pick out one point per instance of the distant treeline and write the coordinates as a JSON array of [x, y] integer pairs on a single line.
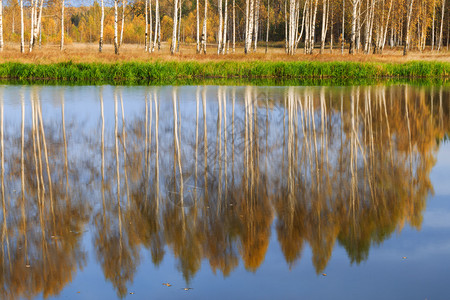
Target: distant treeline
[[355, 25]]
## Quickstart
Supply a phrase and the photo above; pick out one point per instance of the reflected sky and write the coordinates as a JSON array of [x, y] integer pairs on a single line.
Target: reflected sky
[[260, 192]]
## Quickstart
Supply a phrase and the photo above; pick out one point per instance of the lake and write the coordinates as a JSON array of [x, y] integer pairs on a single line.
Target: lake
[[200, 192]]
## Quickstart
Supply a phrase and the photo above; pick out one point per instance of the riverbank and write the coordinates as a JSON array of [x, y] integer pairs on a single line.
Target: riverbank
[[168, 71], [88, 53]]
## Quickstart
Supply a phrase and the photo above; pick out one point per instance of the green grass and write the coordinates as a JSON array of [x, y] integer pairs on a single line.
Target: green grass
[[170, 71]]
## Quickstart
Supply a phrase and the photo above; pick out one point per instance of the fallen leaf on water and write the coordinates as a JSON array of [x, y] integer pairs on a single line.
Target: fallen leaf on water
[[167, 284], [404, 257], [187, 289], [131, 293], [324, 274]]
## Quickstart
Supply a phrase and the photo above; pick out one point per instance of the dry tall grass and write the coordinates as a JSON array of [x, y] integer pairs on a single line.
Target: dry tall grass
[[89, 53]]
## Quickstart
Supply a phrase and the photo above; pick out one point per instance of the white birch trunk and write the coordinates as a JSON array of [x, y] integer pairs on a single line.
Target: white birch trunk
[[174, 29], [343, 26], [116, 44], [32, 24], [179, 27], [1, 25], [353, 32], [388, 18], [326, 7], [331, 29], [372, 18], [286, 47], [408, 30], [157, 27], [151, 25], [204, 33], [38, 23], [307, 26], [123, 22], [22, 40], [146, 26], [302, 29], [297, 18], [198, 28], [249, 22], [219, 34], [267, 27], [442, 25], [358, 28], [256, 26], [432, 25], [367, 26], [102, 20], [292, 30], [313, 27], [234, 26], [225, 28]]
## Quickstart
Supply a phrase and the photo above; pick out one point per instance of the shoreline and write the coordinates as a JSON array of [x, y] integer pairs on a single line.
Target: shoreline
[[168, 71]]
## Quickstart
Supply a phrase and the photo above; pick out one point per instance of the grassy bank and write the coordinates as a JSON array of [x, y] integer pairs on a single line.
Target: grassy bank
[[168, 71]]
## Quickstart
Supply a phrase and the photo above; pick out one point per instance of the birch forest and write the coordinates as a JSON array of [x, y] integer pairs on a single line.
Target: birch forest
[[229, 26]]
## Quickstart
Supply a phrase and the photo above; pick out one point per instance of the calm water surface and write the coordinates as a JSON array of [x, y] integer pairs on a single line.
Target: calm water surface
[[232, 192]]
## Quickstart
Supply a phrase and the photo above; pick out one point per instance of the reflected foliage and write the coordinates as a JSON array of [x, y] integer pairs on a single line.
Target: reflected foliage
[[206, 178]]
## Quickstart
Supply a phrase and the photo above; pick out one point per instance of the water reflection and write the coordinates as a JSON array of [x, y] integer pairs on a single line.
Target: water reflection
[[208, 176]]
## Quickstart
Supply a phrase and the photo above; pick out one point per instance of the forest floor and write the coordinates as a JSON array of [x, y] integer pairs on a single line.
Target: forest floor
[[88, 53]]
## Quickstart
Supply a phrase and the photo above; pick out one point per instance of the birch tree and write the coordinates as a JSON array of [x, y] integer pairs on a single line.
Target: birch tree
[[291, 28], [179, 26], [408, 26], [37, 27], [219, 34], [256, 26], [268, 24], [384, 29], [102, 21], [305, 16], [234, 26], [249, 14], [204, 32], [225, 28], [33, 8], [146, 46], [311, 29], [36, 15], [442, 25], [325, 13], [157, 38], [286, 38], [370, 15], [149, 43], [123, 22], [1, 25], [197, 27], [432, 25], [22, 38], [358, 28], [174, 29], [331, 29], [343, 27], [355, 4], [116, 44]]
